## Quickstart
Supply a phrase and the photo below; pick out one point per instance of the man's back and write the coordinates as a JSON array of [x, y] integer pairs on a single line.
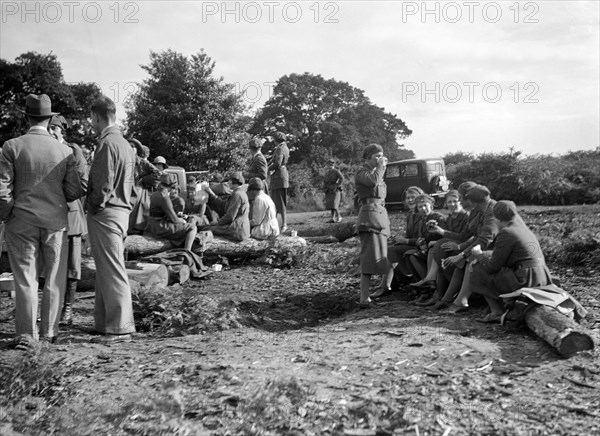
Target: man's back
[[37, 179]]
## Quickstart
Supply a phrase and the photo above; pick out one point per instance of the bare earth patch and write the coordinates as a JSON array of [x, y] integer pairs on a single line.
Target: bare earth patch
[[265, 351]]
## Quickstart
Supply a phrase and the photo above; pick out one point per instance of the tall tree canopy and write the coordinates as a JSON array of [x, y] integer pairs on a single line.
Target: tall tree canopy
[[326, 117], [186, 114], [34, 73]]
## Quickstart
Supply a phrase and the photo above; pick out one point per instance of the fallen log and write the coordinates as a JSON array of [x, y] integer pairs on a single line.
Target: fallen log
[[141, 245], [558, 330], [147, 274], [321, 239], [340, 231]]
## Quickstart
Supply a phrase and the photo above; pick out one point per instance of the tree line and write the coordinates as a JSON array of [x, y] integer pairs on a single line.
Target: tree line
[[193, 118]]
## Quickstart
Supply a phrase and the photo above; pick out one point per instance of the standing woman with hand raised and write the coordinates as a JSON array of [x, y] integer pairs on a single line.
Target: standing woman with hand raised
[[373, 224]]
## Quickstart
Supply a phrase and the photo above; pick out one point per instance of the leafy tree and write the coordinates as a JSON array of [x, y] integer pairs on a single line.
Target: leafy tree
[[34, 73], [186, 114], [326, 117]]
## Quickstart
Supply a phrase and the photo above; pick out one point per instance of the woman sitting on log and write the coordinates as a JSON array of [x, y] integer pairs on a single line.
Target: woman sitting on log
[[485, 228], [516, 261], [263, 224], [453, 228], [163, 222], [403, 244]]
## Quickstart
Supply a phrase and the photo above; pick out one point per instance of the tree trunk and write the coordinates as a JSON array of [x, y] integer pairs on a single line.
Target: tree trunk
[[322, 239], [147, 274], [564, 334], [340, 231], [139, 246]]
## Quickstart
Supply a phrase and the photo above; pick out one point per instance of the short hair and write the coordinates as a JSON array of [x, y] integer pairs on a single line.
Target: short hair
[[105, 108]]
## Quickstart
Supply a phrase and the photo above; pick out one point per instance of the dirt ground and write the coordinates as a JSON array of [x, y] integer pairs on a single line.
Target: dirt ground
[[256, 350]]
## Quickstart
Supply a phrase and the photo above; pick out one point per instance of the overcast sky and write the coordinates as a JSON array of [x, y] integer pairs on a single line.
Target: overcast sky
[[470, 76]]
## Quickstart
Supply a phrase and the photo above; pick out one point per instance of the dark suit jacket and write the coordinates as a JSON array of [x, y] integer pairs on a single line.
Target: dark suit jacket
[[38, 176]]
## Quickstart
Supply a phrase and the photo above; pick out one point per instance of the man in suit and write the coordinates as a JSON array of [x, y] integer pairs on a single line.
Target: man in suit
[[109, 202], [76, 219], [280, 180], [37, 177]]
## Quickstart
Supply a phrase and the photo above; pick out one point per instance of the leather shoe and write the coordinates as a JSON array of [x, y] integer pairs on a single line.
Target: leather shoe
[[381, 292]]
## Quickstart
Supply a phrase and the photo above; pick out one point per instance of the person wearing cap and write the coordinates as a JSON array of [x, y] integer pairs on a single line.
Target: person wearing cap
[[280, 179], [163, 221], [109, 203], [146, 177], [38, 176], [160, 163], [235, 223], [263, 224], [257, 167], [484, 228], [400, 266], [76, 218], [332, 182], [373, 224], [516, 261]]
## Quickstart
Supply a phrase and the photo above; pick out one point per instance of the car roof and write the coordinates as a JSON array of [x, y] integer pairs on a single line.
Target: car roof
[[431, 159]]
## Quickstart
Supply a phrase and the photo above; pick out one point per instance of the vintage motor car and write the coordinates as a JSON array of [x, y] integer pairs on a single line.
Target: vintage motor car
[[427, 174]]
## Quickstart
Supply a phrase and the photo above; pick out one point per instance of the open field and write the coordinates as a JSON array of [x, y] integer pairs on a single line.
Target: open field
[[255, 350]]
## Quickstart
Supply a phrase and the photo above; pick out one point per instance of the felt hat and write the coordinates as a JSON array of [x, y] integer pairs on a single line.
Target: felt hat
[[505, 210], [160, 160], [478, 193], [371, 149], [237, 177], [38, 106], [168, 179], [464, 187], [255, 184], [58, 120]]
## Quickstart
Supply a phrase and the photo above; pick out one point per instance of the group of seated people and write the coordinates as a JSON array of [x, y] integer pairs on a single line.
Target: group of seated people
[[482, 246], [239, 212]]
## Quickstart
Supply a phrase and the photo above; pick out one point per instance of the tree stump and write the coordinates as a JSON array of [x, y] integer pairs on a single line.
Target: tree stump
[[147, 274], [561, 332]]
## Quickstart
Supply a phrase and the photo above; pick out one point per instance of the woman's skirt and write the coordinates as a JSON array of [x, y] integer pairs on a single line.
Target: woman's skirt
[[373, 253], [332, 199]]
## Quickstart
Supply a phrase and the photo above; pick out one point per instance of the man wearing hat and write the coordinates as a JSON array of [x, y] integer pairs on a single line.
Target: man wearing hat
[[263, 224], [38, 175], [109, 202], [76, 219], [234, 224], [333, 191], [280, 179]]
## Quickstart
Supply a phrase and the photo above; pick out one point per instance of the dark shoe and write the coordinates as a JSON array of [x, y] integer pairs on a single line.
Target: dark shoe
[[489, 319], [330, 221], [440, 305], [428, 302], [369, 304], [111, 339], [24, 342], [381, 292], [455, 309]]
